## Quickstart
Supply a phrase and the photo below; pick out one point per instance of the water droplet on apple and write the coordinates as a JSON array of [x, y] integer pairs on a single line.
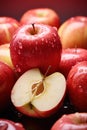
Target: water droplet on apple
[[20, 45], [19, 52], [18, 69]]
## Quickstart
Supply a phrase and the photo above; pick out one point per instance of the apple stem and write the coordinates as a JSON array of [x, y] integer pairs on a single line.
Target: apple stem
[[33, 25], [35, 89]]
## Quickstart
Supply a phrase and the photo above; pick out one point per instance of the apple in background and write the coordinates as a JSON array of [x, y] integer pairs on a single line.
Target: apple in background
[[35, 46], [41, 15], [41, 95], [74, 121], [6, 124], [5, 55], [77, 86], [69, 57], [7, 80], [8, 26], [73, 32]]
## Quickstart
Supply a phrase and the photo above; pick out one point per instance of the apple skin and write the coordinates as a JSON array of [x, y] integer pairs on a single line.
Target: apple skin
[[6, 124], [77, 86], [73, 32], [74, 121], [5, 54], [41, 15], [7, 80], [39, 50], [8, 26], [70, 57]]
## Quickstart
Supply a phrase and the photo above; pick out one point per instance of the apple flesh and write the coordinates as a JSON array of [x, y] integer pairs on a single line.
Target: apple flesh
[[6, 124], [74, 121], [7, 80], [5, 55], [38, 96], [70, 57], [41, 15], [73, 32], [8, 26], [77, 86], [35, 46]]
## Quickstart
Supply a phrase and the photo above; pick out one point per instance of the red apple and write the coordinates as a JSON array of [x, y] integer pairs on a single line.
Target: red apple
[[70, 57], [7, 80], [73, 32], [8, 26], [5, 55], [37, 95], [6, 124], [74, 121], [36, 45], [41, 15], [77, 86]]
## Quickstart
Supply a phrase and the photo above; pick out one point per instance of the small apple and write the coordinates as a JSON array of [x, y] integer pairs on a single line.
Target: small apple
[[5, 54], [37, 95], [77, 86], [69, 57], [74, 121], [73, 32], [7, 80], [8, 26], [6, 124], [35, 46], [41, 15]]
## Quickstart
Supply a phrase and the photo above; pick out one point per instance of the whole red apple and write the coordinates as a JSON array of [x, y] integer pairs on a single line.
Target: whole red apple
[[70, 57], [8, 26], [77, 86], [7, 80], [6, 124], [41, 15], [36, 46], [74, 121], [73, 32]]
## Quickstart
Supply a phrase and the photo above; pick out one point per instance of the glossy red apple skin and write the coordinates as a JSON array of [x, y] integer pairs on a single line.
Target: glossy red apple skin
[[77, 86], [70, 57], [39, 50], [73, 32], [41, 15], [74, 121], [7, 80], [8, 26], [6, 124]]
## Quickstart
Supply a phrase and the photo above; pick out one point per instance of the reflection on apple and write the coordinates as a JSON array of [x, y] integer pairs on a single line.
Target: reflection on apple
[[41, 15], [70, 57], [6, 124], [5, 55], [73, 32], [77, 86], [8, 26], [74, 121], [38, 96]]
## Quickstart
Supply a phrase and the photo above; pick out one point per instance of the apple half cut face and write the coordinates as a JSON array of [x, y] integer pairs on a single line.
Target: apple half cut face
[[37, 95]]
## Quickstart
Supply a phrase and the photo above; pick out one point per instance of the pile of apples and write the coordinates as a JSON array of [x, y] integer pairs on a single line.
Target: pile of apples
[[43, 62]]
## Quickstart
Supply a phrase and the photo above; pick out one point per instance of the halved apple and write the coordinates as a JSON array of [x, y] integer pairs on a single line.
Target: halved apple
[[37, 95]]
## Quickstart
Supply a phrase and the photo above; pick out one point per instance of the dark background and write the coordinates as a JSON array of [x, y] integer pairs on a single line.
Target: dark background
[[65, 8]]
